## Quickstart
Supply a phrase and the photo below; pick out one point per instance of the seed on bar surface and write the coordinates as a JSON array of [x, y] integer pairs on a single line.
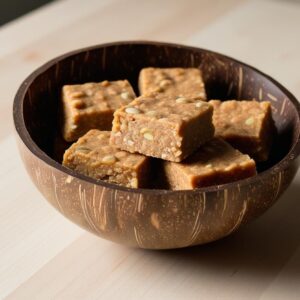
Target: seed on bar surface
[[148, 136], [165, 83], [83, 149], [181, 100], [144, 129], [249, 121], [125, 95], [132, 110], [110, 159]]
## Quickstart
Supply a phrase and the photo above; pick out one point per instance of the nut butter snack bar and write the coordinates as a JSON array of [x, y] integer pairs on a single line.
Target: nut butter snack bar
[[183, 82], [170, 128], [247, 125], [92, 156], [214, 163], [91, 106]]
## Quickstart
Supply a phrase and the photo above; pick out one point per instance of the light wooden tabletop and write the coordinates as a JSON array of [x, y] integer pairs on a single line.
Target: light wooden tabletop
[[44, 256]]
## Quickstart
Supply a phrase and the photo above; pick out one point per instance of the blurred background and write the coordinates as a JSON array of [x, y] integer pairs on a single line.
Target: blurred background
[[11, 9]]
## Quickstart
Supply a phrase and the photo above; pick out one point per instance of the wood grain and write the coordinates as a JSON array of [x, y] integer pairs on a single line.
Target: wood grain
[[43, 256]]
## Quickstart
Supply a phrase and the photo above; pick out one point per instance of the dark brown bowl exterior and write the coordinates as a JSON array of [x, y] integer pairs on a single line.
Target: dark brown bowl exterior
[[152, 219]]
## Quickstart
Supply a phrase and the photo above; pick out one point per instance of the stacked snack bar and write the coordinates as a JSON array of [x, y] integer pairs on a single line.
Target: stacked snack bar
[[91, 106], [171, 120]]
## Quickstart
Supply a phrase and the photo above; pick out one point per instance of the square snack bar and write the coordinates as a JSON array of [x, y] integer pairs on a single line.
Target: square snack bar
[[93, 156], [247, 125], [214, 163], [91, 106], [166, 128], [181, 82]]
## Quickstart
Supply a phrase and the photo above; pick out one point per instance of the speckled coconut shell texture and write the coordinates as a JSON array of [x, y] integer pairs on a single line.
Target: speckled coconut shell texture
[[152, 219]]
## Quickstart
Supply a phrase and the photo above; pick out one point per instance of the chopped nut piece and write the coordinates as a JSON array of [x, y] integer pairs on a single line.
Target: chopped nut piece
[[179, 124], [91, 105], [246, 125], [96, 158]]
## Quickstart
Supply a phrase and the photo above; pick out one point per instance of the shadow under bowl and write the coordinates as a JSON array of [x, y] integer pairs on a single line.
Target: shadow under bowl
[[145, 218]]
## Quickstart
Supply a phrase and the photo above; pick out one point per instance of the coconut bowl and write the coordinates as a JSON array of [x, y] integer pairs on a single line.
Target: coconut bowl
[[152, 218]]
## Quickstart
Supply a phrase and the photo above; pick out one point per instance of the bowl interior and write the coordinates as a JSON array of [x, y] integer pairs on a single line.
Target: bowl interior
[[224, 77]]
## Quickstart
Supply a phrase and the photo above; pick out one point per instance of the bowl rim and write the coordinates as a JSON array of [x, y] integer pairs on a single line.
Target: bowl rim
[[24, 135]]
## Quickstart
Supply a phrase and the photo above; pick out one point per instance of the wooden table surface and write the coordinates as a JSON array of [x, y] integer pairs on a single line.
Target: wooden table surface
[[44, 256]]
